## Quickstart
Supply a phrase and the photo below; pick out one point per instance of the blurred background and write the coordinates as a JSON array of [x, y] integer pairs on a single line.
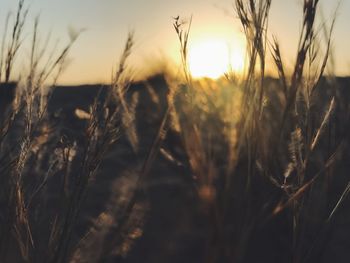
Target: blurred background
[[106, 24]]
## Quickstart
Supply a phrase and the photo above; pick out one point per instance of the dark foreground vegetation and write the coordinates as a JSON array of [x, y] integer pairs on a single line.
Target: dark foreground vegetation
[[244, 169]]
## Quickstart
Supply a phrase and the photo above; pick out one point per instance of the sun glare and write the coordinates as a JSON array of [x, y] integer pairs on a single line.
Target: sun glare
[[213, 58]]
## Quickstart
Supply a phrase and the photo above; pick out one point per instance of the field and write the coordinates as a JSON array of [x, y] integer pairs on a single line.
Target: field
[[171, 168]]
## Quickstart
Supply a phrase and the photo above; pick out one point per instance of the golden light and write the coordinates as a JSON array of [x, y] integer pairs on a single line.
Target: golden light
[[237, 61], [214, 58]]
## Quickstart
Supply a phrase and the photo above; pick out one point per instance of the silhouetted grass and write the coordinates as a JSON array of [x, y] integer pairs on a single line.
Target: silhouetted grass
[[38, 225], [262, 163], [261, 157]]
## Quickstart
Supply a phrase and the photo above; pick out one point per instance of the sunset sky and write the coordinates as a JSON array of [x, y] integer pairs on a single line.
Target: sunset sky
[[107, 23]]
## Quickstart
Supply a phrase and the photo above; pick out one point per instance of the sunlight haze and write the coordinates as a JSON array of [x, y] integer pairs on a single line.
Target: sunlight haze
[[106, 24]]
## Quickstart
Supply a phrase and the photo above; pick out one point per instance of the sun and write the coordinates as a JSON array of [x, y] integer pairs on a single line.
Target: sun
[[208, 59], [214, 58]]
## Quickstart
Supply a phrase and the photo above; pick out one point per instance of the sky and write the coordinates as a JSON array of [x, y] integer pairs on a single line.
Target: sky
[[107, 23]]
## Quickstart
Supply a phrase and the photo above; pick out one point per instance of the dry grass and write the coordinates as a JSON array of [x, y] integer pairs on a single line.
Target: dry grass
[[237, 159], [33, 155], [258, 150]]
